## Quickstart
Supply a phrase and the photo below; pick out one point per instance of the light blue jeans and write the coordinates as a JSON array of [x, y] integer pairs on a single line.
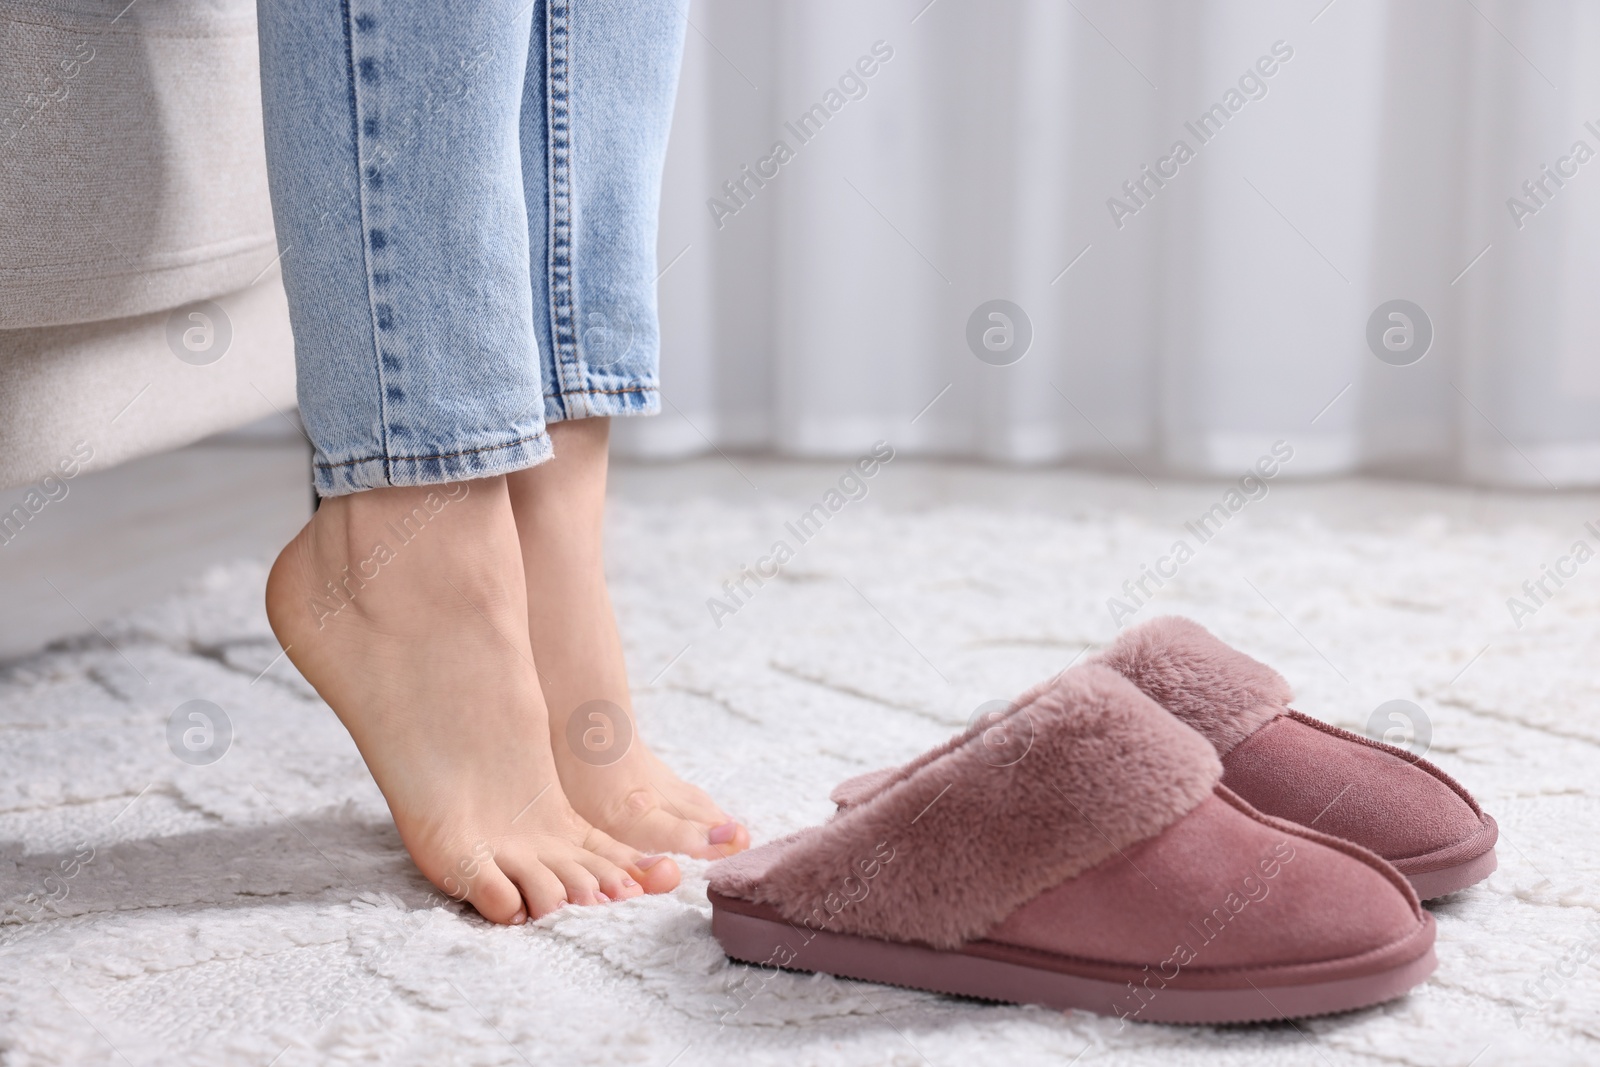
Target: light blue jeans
[[466, 199]]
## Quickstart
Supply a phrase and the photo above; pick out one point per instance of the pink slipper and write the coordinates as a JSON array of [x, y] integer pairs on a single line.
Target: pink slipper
[[1105, 869], [1285, 763], [1298, 768]]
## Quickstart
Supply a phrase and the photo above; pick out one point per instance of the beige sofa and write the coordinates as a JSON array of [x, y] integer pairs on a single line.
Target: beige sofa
[[140, 300]]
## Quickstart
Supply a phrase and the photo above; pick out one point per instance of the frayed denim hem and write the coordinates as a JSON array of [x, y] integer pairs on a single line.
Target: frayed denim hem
[[455, 465]]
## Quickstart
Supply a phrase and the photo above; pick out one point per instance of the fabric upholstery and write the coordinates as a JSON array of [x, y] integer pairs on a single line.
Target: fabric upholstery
[[132, 175]]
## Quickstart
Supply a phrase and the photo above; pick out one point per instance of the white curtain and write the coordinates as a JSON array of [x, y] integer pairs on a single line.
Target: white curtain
[[1352, 153]]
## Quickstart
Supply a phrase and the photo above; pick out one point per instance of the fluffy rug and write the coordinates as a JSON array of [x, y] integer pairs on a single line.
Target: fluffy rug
[[260, 910]]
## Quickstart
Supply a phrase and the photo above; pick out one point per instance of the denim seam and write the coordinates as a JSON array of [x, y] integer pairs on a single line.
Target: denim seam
[[558, 124], [436, 455], [632, 389], [366, 236]]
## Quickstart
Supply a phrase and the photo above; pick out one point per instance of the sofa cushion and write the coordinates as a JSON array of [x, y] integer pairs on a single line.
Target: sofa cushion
[[132, 174], [107, 392]]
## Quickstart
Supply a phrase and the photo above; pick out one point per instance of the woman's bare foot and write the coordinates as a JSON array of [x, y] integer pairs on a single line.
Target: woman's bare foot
[[406, 609], [612, 779]]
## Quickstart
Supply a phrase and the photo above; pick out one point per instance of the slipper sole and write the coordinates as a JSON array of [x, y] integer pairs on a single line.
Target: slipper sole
[[1441, 883], [1453, 868], [757, 934]]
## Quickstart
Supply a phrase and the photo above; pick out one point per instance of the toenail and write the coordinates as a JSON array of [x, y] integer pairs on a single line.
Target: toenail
[[628, 882], [648, 862], [520, 917], [601, 897], [721, 835]]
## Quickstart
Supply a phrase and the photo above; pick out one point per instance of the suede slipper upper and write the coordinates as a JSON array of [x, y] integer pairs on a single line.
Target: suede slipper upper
[[1106, 868], [1288, 764], [1298, 768]]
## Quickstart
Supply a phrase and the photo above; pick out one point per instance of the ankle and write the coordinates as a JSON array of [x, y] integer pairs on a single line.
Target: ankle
[[463, 533], [566, 495]]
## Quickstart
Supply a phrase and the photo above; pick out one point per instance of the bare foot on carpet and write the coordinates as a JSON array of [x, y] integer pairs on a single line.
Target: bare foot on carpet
[[406, 609], [611, 777]]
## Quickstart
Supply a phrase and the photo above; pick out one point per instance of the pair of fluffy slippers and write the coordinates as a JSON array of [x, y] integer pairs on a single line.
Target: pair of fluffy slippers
[[1152, 835]]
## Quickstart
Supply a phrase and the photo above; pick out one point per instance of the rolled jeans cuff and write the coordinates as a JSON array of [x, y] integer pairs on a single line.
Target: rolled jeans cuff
[[603, 401], [486, 461]]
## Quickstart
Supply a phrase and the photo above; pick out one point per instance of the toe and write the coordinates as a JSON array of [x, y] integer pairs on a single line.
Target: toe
[[542, 891], [655, 874], [662, 831], [728, 837], [615, 882], [658, 874], [582, 887], [491, 892], [696, 805], [719, 835]]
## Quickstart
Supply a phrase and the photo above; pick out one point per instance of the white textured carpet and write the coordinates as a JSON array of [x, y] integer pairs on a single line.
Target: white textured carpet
[[261, 910]]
